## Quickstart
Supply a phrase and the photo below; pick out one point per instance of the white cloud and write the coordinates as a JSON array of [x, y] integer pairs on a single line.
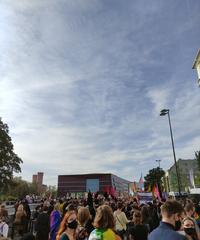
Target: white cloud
[[159, 98]]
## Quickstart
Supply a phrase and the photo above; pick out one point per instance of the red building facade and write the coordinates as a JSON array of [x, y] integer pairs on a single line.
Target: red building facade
[[101, 182]]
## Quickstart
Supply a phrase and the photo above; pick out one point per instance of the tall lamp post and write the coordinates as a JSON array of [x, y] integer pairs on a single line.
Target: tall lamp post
[[163, 113], [196, 65], [158, 162]]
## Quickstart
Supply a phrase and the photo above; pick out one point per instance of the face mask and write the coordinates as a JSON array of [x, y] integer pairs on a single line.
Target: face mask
[[73, 224], [177, 225], [190, 231]]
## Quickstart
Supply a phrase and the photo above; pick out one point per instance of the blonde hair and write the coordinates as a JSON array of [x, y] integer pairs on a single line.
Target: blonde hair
[[20, 208], [104, 218], [83, 215], [57, 207]]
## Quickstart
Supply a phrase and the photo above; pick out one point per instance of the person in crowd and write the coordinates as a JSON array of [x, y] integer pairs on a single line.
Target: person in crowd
[[51, 207], [172, 212], [28, 236], [28, 214], [189, 228], [120, 220], [139, 231], [68, 226], [35, 215], [4, 213], [55, 219], [17, 205], [92, 205], [146, 218], [190, 211], [70, 207], [3, 227], [42, 226], [104, 224], [61, 204], [19, 223], [84, 223], [155, 215], [197, 217]]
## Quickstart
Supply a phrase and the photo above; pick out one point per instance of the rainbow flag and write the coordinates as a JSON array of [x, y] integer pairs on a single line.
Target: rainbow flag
[[155, 191]]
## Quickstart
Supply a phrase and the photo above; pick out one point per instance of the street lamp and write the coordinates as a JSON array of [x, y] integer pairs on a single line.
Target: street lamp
[[158, 162], [163, 113], [196, 66]]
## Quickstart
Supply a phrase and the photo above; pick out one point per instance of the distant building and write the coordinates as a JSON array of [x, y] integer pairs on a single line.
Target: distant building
[[95, 182], [188, 173], [38, 178], [34, 178]]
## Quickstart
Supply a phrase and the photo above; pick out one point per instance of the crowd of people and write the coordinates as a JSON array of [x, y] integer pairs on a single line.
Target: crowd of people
[[101, 217]]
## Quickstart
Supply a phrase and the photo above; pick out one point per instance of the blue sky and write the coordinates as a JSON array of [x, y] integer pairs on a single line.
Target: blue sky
[[82, 83]]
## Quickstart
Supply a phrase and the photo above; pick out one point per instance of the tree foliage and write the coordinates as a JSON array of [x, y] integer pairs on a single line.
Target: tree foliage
[[154, 177], [197, 158], [18, 188], [9, 161]]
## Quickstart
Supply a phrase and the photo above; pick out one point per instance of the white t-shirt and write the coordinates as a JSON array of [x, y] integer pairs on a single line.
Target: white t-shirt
[[4, 229]]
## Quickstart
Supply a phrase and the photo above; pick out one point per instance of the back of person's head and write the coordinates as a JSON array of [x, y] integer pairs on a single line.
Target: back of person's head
[[135, 207], [2, 218], [171, 207], [137, 218], [57, 207], [20, 208], [45, 208], [83, 215], [104, 218], [189, 207], [120, 205], [70, 207], [145, 212], [2, 206]]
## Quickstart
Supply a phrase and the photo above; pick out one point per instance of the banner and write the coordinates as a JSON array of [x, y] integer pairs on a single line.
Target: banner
[[191, 174]]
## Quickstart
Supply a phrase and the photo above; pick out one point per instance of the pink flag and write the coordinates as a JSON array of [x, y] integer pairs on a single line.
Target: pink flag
[[156, 192], [141, 183]]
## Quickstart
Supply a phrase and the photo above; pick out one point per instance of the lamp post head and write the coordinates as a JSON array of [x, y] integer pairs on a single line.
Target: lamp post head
[[163, 112], [196, 65]]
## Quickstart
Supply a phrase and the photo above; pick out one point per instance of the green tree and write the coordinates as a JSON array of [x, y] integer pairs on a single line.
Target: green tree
[[154, 177], [9, 161], [197, 158], [34, 188], [18, 188]]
